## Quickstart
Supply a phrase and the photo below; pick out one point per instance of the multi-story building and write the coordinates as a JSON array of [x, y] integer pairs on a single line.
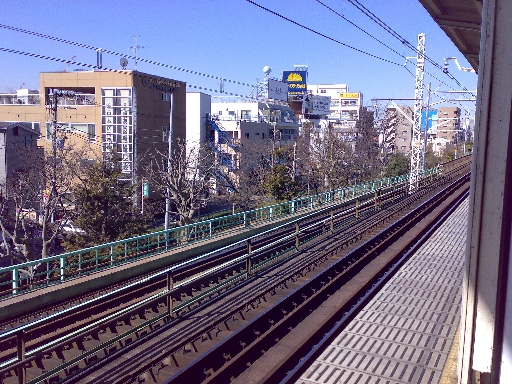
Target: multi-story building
[[256, 119], [345, 109], [448, 126], [258, 123], [398, 129], [126, 111]]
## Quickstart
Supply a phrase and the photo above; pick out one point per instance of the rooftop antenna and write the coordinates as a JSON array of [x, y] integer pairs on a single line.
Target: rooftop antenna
[[65, 68], [135, 48]]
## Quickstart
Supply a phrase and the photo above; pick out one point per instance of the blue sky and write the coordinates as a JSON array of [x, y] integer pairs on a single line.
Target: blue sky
[[233, 39]]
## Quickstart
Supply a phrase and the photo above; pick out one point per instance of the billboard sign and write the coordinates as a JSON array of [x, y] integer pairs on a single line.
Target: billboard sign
[[349, 95], [319, 105], [296, 83], [277, 90]]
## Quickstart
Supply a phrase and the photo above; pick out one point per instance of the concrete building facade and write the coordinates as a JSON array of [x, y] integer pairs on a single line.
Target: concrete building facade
[[398, 129], [16, 140], [449, 124], [126, 111], [345, 106]]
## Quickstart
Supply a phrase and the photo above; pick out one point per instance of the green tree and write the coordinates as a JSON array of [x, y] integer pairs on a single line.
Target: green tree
[[104, 206], [431, 159], [280, 184], [398, 164]]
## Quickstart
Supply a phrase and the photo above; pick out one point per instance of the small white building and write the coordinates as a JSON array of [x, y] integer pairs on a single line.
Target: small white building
[[439, 144], [255, 119], [345, 106], [198, 108]]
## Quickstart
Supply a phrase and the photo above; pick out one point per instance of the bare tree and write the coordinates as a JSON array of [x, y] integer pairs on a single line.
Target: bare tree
[[332, 158], [187, 180], [253, 168], [36, 201]]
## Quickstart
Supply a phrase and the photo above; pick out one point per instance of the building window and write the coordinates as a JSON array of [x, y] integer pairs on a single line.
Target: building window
[[88, 129], [165, 133], [166, 96], [263, 135], [403, 147], [245, 115], [404, 133], [247, 135], [28, 140], [15, 131], [323, 91], [118, 124]]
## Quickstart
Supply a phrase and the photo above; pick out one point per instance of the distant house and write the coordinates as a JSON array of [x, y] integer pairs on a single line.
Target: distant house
[[15, 140]]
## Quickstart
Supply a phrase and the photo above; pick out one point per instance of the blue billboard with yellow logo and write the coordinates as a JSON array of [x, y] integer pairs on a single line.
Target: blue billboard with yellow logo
[[297, 81]]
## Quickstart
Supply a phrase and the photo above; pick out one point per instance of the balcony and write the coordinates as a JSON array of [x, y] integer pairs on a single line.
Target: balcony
[[15, 99]]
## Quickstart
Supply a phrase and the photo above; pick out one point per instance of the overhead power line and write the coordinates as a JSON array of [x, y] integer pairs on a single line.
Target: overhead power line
[[400, 38], [358, 27], [121, 54], [38, 56], [322, 35]]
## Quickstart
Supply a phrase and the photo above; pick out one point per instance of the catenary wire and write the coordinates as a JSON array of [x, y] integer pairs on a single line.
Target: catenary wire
[[376, 39], [121, 54], [321, 34], [38, 56], [404, 41]]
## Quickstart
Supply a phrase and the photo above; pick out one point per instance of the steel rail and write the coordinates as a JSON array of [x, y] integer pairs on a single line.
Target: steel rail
[[313, 351], [230, 346], [265, 247]]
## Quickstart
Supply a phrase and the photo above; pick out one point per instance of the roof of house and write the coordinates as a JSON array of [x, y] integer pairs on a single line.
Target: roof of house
[[4, 125]]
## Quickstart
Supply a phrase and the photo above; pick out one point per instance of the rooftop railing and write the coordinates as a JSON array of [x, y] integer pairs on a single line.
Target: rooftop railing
[[35, 99], [14, 99], [55, 269]]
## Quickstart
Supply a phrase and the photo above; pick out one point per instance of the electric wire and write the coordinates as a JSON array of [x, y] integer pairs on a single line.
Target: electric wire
[[15, 29], [385, 45], [321, 34], [404, 41], [358, 27], [38, 56]]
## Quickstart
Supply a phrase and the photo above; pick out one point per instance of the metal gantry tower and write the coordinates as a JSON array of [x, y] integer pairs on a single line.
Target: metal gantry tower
[[416, 145]]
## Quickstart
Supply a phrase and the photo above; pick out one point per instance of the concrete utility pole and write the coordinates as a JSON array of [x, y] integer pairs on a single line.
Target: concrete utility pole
[[56, 94], [416, 147], [169, 165], [425, 140]]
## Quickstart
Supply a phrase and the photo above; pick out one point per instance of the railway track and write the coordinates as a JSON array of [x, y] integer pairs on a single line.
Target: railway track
[[279, 344], [190, 310]]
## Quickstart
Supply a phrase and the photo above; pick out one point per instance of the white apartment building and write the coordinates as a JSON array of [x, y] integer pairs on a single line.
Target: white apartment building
[[345, 106], [225, 122], [257, 120]]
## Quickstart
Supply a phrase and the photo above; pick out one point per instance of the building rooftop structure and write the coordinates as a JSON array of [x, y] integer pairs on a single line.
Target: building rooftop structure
[[126, 111]]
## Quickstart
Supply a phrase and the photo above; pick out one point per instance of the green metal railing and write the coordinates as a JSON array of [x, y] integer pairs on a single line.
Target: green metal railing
[[24, 355], [52, 270]]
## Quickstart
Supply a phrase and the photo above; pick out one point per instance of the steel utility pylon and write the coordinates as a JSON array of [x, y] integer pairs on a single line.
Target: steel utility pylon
[[416, 145]]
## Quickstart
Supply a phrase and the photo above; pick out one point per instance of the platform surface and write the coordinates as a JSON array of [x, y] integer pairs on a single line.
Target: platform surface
[[404, 335]]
